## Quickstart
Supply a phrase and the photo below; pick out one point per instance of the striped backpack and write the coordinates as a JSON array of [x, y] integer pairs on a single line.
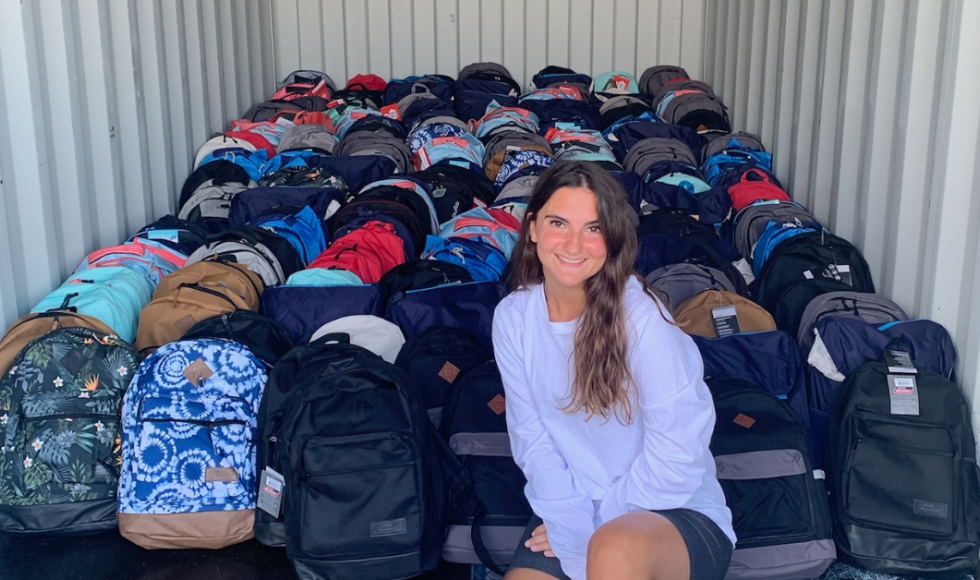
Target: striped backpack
[[188, 449]]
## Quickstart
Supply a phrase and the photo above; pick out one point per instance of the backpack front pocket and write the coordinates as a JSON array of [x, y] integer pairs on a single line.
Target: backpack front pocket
[[359, 496]]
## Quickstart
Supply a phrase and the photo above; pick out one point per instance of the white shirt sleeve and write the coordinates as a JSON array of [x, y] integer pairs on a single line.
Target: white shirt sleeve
[[554, 495], [678, 418]]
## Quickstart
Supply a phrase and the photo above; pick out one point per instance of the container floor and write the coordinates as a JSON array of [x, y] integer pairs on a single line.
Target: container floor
[[108, 556]]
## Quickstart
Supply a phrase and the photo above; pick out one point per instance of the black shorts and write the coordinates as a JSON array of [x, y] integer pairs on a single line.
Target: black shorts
[[708, 547]]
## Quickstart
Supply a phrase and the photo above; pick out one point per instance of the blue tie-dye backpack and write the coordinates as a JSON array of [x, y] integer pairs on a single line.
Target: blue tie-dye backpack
[[189, 425]]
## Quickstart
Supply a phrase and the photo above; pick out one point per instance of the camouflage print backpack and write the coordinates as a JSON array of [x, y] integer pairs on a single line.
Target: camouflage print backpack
[[59, 426]]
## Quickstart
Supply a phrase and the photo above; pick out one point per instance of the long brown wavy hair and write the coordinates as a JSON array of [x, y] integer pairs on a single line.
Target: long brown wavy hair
[[603, 382]]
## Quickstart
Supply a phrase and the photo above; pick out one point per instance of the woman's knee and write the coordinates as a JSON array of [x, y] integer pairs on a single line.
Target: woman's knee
[[638, 545]]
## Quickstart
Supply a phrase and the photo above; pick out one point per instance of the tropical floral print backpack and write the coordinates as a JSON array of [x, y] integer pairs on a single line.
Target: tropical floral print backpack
[[189, 431], [60, 432]]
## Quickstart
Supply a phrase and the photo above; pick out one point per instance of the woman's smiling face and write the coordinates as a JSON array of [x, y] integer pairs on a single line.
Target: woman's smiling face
[[569, 239]]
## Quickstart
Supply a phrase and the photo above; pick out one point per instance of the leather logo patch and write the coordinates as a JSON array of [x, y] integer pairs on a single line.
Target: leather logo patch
[[449, 372], [498, 404], [226, 474], [198, 372], [743, 420]]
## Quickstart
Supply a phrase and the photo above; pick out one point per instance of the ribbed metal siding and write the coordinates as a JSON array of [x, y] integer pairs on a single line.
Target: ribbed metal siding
[[103, 104], [398, 38], [871, 112]]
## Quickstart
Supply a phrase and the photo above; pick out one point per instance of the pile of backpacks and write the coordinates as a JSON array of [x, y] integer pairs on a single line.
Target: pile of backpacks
[[302, 354]]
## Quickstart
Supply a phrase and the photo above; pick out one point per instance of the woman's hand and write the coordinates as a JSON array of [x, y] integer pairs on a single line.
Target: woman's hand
[[538, 542]]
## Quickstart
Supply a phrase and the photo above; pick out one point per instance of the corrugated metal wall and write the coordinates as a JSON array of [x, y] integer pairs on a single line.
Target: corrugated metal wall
[[398, 38], [103, 104], [871, 111]]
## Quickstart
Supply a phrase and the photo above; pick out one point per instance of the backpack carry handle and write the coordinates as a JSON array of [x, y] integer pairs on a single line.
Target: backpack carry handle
[[754, 171], [420, 88], [331, 338]]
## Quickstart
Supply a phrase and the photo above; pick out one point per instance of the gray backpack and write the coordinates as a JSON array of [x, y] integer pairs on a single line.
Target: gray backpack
[[307, 136], [681, 282], [719, 143], [699, 111], [871, 308], [655, 77], [648, 152], [680, 86], [212, 202], [752, 220], [383, 144], [258, 258]]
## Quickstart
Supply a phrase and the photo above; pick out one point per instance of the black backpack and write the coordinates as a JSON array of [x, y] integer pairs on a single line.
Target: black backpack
[[264, 336], [436, 357], [486, 524], [778, 501], [904, 489], [419, 274], [810, 256], [363, 496]]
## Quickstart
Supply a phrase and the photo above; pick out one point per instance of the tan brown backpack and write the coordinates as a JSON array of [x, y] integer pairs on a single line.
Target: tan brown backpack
[[191, 294], [694, 316], [32, 326]]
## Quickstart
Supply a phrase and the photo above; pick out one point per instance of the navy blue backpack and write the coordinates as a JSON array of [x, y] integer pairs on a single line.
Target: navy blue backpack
[[261, 200], [467, 306], [771, 360], [304, 309]]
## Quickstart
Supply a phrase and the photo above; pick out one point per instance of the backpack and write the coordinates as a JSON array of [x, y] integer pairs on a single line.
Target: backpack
[[696, 315], [413, 194], [151, 260], [210, 204], [363, 496], [382, 144], [59, 402], [556, 75], [176, 234], [606, 85], [776, 233], [309, 136], [436, 357], [482, 260], [808, 257], [475, 426], [192, 294], [727, 167], [456, 189], [903, 478], [188, 449], [871, 308], [769, 360], [754, 186], [465, 148], [655, 77], [420, 274], [31, 326], [368, 251], [479, 224], [267, 339], [695, 109], [681, 282], [644, 154], [303, 230], [739, 140], [500, 147], [626, 133], [753, 219], [218, 172], [777, 498], [371, 332], [273, 258], [620, 107], [842, 344], [219, 142], [468, 306], [251, 204], [114, 295], [304, 309]]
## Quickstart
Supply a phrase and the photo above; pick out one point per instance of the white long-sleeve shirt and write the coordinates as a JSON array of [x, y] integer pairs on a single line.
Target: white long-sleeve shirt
[[582, 473]]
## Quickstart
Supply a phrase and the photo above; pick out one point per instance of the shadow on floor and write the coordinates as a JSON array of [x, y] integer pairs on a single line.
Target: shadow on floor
[[108, 556]]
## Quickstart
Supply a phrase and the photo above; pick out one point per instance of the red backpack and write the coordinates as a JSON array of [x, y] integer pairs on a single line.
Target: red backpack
[[368, 251], [755, 186]]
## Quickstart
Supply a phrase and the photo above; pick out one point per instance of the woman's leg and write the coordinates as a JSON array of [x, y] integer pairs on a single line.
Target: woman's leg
[[638, 546]]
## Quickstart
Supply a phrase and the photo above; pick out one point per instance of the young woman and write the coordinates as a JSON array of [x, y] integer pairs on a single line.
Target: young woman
[[607, 410]]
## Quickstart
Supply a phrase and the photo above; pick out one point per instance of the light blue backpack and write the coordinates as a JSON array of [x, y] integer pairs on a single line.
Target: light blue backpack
[[113, 294], [188, 449], [324, 277]]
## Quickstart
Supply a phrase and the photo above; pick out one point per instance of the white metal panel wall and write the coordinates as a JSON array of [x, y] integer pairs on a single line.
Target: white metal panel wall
[[398, 38], [870, 109], [103, 104]]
